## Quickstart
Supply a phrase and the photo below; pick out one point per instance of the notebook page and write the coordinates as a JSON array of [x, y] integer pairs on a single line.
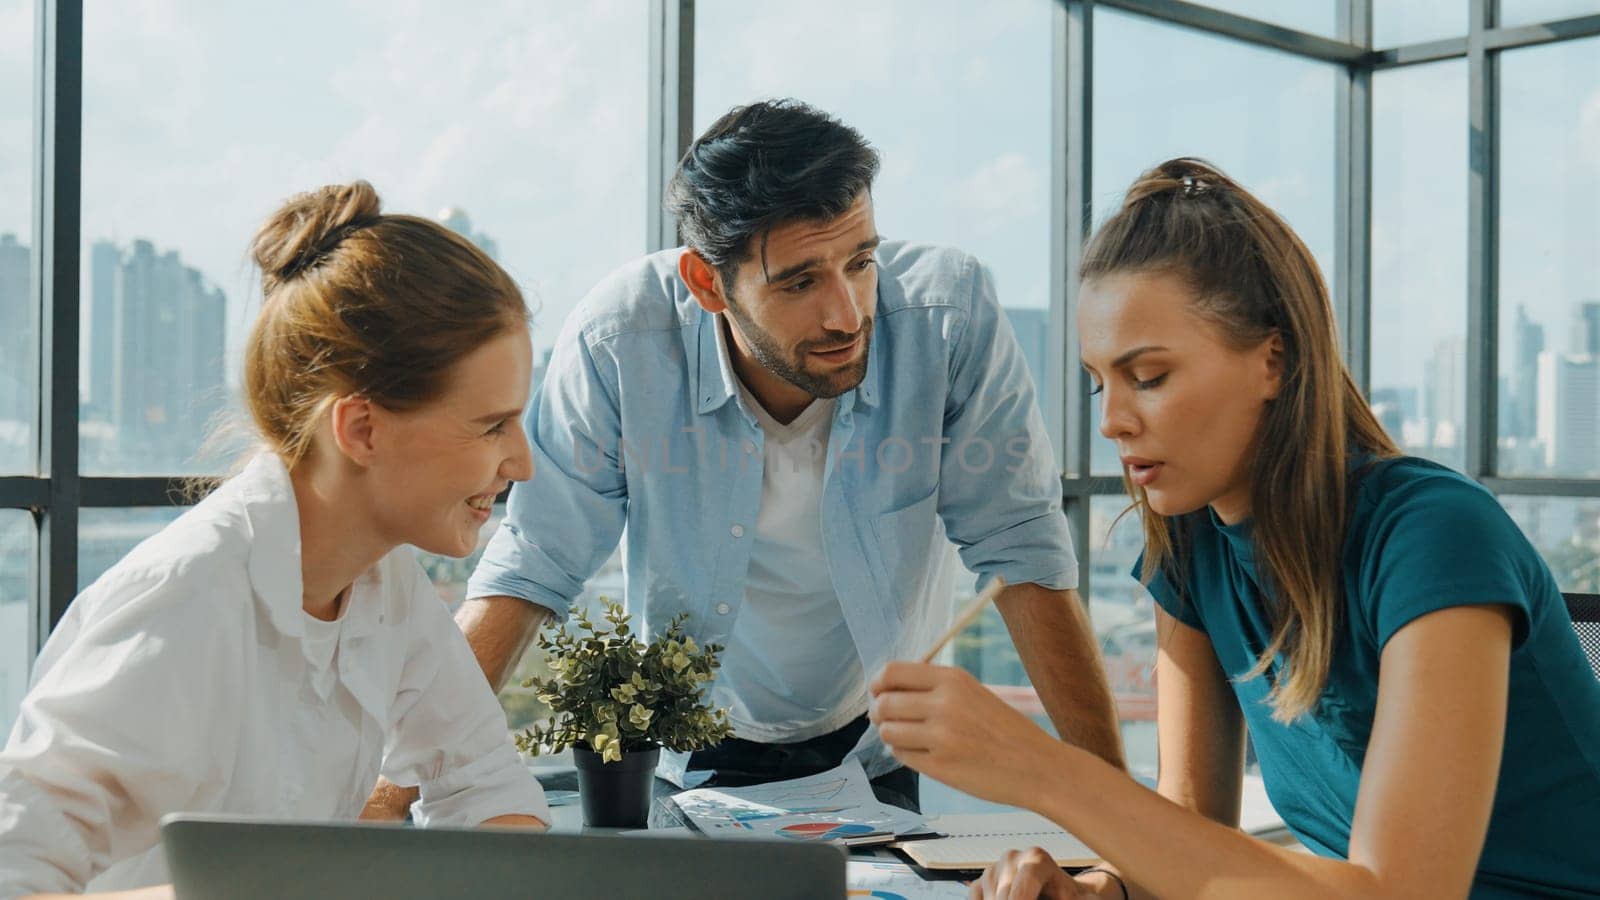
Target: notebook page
[[973, 841]]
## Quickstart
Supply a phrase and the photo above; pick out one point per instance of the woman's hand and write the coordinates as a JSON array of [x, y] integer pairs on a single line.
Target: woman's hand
[[1031, 874], [943, 723]]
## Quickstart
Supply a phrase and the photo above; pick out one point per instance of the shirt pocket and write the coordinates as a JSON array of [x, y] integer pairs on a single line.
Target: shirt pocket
[[907, 544]]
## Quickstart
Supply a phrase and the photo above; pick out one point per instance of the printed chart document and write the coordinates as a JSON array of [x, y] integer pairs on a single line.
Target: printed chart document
[[888, 879], [836, 805], [974, 840]]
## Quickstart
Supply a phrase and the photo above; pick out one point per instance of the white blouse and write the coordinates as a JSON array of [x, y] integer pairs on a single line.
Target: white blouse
[[186, 679]]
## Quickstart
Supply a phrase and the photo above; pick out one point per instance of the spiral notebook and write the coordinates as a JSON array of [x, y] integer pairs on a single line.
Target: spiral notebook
[[975, 840]]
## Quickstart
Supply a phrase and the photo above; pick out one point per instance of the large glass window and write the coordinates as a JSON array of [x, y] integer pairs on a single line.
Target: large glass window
[[1265, 117], [19, 584], [1549, 267], [501, 125], [1399, 22], [19, 311], [966, 154], [1419, 257]]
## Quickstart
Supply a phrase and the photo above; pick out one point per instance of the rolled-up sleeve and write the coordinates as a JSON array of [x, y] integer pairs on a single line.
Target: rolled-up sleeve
[[112, 736], [999, 493], [562, 524], [449, 736]]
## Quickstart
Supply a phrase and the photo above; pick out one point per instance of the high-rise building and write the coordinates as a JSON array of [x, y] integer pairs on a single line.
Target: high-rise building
[[1390, 408], [1522, 389], [1569, 412], [157, 346], [1444, 399], [104, 325], [1586, 328]]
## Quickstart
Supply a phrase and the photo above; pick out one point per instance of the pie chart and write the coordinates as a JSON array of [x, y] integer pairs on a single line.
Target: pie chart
[[824, 831]]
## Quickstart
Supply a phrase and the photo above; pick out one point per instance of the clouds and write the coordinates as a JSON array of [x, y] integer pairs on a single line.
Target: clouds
[[1008, 186], [201, 118]]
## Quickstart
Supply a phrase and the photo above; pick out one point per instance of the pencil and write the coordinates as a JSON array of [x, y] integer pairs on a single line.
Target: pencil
[[966, 617]]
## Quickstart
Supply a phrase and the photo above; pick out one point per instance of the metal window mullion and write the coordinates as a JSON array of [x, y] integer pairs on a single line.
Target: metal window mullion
[[1543, 487], [1541, 33], [670, 111], [1072, 107], [59, 144], [1416, 54], [1353, 199], [24, 492], [1483, 185]]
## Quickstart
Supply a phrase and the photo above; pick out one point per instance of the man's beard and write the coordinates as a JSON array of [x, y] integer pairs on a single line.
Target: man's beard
[[791, 367]]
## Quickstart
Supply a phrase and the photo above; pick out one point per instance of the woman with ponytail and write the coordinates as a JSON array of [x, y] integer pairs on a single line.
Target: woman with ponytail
[[1396, 651], [278, 646]]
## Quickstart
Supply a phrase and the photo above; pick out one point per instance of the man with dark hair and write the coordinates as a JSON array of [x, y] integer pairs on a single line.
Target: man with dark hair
[[782, 413]]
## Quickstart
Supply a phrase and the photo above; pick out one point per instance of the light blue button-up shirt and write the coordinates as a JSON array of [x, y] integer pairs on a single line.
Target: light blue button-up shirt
[[638, 433]]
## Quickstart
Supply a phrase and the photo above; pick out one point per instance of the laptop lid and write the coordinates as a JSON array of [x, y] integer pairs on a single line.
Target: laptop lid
[[216, 858]]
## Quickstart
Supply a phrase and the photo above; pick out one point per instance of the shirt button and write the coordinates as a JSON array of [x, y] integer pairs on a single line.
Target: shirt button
[[737, 531], [723, 609], [749, 446]]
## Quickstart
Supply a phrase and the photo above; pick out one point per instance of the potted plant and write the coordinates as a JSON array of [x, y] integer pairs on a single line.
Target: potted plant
[[616, 701]]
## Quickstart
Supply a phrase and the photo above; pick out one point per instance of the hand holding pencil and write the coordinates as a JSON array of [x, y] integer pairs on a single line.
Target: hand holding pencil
[[946, 724]]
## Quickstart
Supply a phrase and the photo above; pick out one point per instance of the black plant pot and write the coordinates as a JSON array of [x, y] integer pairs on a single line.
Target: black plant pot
[[616, 795]]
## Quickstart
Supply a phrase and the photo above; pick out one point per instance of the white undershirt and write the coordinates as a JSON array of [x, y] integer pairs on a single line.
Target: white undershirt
[[790, 649], [322, 719]]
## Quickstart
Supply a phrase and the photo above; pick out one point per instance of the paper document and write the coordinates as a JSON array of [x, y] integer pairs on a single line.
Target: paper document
[[836, 805], [975, 840], [888, 879]]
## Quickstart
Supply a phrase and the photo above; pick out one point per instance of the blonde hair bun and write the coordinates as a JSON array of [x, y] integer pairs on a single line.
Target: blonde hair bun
[[309, 227]]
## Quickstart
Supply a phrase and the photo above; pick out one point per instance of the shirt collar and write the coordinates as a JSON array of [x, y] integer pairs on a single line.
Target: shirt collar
[[717, 383]]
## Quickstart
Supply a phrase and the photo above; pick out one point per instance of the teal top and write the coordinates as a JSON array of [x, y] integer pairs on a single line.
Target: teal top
[[1421, 538]]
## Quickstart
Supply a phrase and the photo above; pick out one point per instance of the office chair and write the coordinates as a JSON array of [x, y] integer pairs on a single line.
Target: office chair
[[1585, 612]]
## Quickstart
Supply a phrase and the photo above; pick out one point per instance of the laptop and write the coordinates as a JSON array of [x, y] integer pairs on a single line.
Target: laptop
[[216, 858]]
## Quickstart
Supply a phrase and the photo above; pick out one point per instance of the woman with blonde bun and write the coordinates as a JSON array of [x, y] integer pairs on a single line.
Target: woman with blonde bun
[[276, 648]]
